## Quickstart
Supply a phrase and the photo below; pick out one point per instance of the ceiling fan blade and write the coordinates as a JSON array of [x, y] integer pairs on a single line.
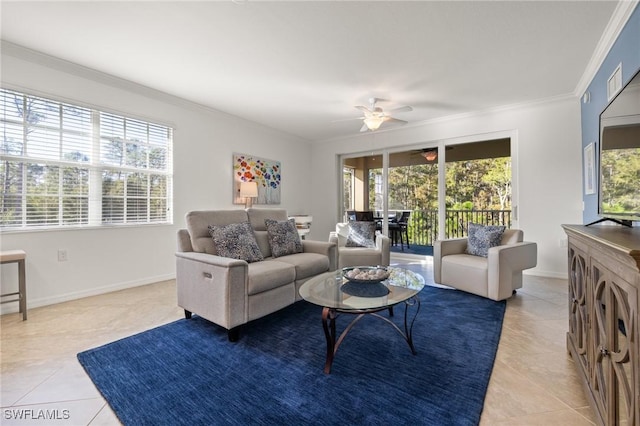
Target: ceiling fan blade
[[374, 101], [405, 108], [347, 119], [363, 109], [364, 128], [388, 119]]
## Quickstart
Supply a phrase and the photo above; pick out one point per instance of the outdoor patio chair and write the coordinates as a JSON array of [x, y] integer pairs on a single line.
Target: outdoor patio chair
[[400, 228]]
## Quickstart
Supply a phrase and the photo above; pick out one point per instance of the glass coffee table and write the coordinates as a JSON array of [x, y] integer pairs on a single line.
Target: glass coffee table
[[338, 296]]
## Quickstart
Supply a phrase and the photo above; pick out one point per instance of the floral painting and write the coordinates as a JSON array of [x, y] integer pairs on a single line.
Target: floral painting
[[266, 173]]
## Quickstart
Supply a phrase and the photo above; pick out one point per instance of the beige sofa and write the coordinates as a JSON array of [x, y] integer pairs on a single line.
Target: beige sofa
[[231, 292], [360, 256], [496, 276]]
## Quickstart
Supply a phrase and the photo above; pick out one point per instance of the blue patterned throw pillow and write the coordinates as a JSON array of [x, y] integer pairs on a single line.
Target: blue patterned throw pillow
[[481, 238], [236, 241], [283, 237], [361, 234]]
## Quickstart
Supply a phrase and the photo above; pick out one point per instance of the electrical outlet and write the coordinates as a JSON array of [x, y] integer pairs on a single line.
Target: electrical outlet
[[563, 242], [62, 256]]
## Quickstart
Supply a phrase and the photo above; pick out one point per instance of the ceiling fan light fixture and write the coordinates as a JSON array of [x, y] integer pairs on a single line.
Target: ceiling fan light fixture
[[373, 122], [430, 155]]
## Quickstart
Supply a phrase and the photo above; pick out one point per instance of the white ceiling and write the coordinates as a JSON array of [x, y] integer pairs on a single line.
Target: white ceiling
[[299, 66]]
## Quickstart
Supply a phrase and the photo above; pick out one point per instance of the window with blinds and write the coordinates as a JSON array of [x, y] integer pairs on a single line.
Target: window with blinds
[[65, 165]]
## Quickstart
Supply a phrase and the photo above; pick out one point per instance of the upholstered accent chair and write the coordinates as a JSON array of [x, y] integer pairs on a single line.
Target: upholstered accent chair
[[495, 276], [361, 253]]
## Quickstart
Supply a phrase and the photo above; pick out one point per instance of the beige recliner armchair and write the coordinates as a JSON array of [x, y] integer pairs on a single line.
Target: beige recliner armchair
[[496, 276], [379, 254]]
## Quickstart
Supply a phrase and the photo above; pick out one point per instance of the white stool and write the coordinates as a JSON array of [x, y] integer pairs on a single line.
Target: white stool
[[19, 256]]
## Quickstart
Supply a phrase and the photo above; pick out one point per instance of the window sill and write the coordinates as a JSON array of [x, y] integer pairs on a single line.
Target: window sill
[[81, 228]]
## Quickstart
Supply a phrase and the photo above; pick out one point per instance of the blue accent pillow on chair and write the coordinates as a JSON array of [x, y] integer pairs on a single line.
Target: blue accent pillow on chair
[[481, 238], [361, 234]]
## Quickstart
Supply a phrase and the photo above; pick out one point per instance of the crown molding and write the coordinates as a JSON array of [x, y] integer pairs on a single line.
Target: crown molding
[[26, 54], [43, 59], [618, 20], [497, 109]]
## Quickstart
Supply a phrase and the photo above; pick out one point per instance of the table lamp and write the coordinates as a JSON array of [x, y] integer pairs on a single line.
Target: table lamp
[[248, 190]]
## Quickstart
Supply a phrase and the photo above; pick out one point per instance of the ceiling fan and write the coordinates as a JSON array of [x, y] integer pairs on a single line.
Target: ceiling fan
[[375, 116], [429, 154]]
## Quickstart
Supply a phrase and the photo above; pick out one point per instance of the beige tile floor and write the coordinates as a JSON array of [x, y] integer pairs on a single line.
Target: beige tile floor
[[533, 382]]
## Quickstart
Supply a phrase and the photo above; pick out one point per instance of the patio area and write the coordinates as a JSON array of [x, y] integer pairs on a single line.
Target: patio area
[[422, 227], [413, 249]]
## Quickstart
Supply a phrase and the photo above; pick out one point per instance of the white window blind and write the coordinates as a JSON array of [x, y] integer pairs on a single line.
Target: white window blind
[[67, 165]]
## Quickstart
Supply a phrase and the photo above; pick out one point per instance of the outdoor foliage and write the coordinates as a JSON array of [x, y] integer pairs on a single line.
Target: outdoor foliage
[[470, 185], [49, 156], [479, 184], [620, 167], [476, 191]]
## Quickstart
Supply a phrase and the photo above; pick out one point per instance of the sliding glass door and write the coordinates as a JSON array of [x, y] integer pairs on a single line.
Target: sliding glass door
[[413, 200], [400, 190], [422, 194], [363, 184], [478, 186]]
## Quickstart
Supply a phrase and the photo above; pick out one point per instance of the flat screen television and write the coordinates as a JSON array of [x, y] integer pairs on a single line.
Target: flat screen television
[[619, 156]]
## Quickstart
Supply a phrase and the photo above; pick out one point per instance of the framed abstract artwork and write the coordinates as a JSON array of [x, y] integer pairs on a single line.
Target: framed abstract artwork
[[266, 173]]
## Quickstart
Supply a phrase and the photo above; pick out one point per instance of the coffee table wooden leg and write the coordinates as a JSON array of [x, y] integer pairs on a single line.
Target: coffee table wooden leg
[[329, 326]]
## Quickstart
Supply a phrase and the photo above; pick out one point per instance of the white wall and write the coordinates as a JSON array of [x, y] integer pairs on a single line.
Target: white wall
[[548, 164], [100, 260], [106, 259]]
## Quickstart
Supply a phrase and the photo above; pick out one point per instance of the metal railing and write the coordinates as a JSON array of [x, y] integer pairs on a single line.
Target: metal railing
[[423, 224]]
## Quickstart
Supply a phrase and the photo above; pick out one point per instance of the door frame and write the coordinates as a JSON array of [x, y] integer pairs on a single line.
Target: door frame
[[441, 144], [477, 138]]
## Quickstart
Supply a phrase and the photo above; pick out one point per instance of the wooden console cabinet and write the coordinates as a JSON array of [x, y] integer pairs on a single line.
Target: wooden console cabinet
[[603, 337]]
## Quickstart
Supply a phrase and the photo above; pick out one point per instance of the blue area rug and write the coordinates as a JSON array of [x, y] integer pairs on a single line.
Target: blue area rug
[[187, 372]]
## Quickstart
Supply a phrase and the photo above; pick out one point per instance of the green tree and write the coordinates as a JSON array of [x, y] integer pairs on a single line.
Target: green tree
[[479, 184], [619, 168]]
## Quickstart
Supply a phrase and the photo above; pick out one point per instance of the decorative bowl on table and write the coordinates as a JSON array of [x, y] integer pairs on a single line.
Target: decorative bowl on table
[[365, 274]]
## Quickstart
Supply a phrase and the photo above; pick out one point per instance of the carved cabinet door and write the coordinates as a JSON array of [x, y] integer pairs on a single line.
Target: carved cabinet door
[[613, 315], [578, 319]]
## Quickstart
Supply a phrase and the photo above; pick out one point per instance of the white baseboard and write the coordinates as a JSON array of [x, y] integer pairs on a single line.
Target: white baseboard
[[411, 258], [546, 274], [52, 300]]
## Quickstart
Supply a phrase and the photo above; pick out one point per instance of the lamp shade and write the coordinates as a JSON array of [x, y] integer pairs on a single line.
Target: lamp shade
[[248, 189]]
